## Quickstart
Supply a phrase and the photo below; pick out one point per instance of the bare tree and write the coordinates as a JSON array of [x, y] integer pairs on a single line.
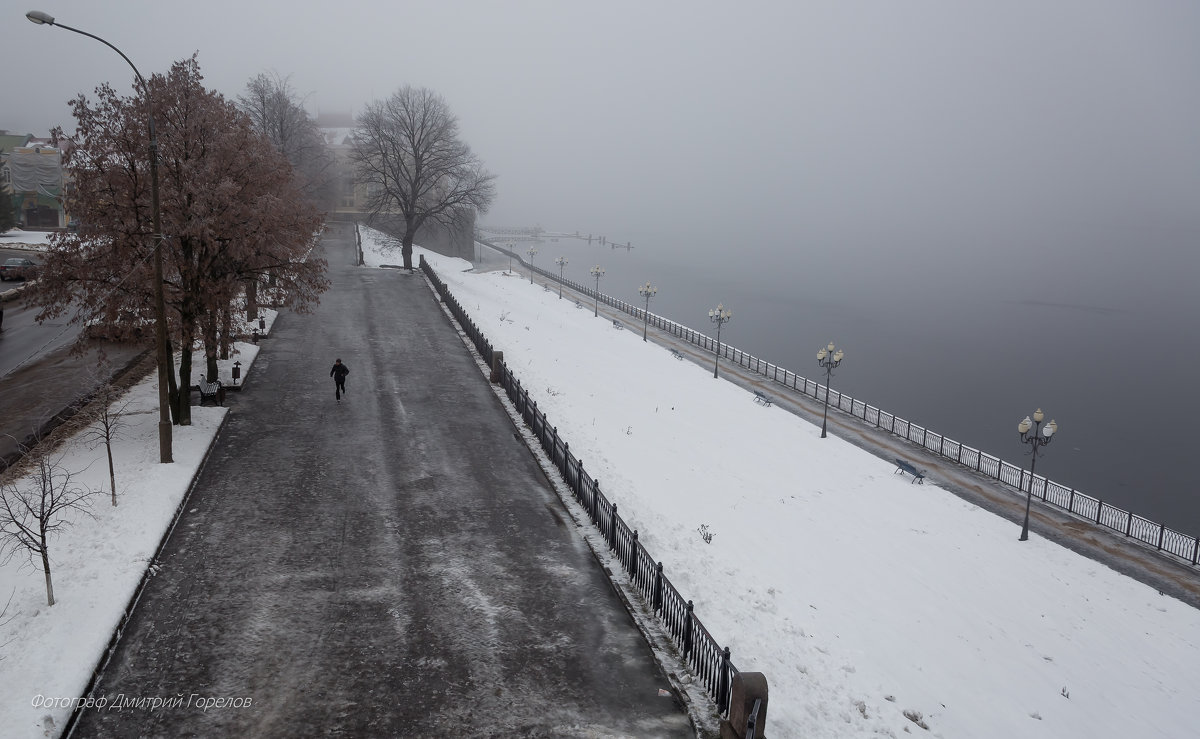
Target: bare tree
[[108, 419], [35, 508], [409, 155], [277, 111]]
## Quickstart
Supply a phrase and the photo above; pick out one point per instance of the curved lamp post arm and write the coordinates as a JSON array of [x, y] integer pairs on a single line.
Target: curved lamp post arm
[[45, 19]]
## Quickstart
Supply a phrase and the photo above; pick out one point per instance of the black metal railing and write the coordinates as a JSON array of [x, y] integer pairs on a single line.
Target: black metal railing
[[1164, 540], [699, 650]]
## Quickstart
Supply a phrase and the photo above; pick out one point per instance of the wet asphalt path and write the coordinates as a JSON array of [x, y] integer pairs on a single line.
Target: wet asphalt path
[[395, 565]]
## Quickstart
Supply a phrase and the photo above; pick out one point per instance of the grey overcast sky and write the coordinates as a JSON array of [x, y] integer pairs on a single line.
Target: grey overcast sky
[[856, 122]]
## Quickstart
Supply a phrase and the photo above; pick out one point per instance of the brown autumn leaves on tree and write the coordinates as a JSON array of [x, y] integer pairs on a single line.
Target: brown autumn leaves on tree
[[231, 215]]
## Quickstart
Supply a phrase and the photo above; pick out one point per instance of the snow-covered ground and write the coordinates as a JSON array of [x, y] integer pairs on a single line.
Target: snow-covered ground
[[872, 605], [20, 239], [48, 653]]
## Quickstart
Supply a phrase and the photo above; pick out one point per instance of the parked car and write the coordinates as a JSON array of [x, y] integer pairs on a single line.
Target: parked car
[[18, 268]]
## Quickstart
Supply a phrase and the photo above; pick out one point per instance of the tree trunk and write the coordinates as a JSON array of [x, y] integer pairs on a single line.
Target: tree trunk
[[406, 246], [226, 332], [173, 394], [46, 569], [252, 299], [112, 472], [187, 340], [209, 330]]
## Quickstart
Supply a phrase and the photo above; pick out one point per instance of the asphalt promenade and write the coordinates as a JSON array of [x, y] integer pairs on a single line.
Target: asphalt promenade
[[393, 565]]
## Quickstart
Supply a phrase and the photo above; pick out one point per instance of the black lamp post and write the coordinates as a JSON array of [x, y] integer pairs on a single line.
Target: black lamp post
[[647, 291], [828, 359], [531, 251], [561, 262], [165, 367], [1029, 435], [597, 272], [720, 316]]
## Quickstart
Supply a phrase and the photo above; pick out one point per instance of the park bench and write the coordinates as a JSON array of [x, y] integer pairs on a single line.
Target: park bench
[[762, 398], [213, 391], [675, 353], [903, 466]]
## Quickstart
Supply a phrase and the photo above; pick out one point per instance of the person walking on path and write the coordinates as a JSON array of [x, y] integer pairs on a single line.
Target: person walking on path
[[338, 373]]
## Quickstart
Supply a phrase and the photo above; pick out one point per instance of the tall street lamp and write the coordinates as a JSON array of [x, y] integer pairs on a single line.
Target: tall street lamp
[[597, 272], [828, 359], [647, 291], [561, 262], [1029, 435], [720, 316], [531, 251], [160, 312]]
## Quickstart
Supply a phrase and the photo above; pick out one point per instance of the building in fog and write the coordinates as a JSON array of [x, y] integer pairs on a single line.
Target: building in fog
[[31, 172]]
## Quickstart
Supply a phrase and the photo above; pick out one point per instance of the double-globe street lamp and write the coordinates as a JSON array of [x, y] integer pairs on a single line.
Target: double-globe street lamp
[[160, 311], [647, 291], [720, 316], [1028, 428], [531, 251], [561, 262], [828, 359], [597, 272]]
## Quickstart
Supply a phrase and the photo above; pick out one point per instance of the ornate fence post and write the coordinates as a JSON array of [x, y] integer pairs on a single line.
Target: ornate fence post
[[723, 683], [633, 559], [657, 598], [612, 530], [687, 631]]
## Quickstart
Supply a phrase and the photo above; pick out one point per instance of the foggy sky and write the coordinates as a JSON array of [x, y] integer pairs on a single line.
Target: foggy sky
[[900, 130]]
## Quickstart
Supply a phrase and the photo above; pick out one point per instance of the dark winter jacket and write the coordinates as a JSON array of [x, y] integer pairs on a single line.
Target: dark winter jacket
[[339, 372]]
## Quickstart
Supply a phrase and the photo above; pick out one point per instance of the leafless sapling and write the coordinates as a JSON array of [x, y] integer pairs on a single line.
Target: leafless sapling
[[108, 420], [35, 507]]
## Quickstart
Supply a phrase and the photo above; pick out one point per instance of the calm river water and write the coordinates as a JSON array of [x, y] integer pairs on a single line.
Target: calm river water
[[1106, 342]]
